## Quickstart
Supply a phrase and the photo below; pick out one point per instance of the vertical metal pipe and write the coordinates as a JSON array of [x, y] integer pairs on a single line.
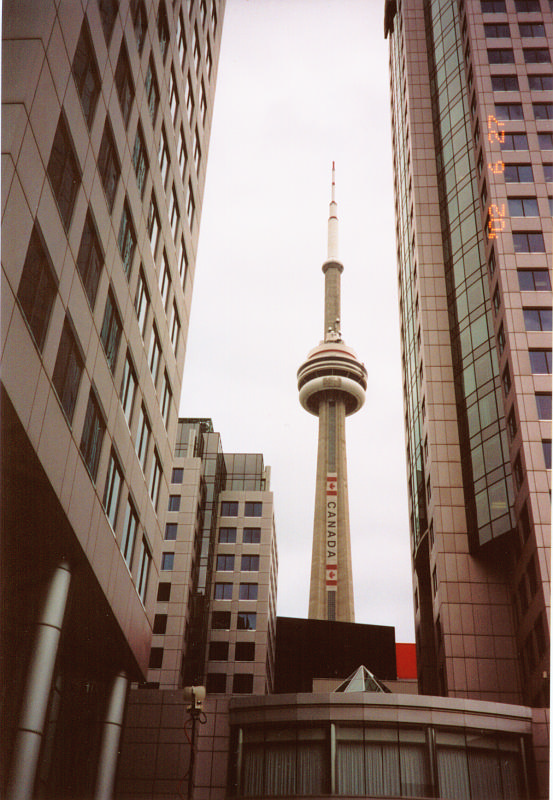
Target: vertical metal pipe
[[38, 686], [111, 738]]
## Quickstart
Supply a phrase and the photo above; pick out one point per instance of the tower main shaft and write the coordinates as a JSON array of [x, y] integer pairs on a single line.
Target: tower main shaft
[[332, 384]]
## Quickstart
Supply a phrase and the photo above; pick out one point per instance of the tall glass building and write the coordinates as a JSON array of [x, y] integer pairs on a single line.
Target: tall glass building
[[472, 139]]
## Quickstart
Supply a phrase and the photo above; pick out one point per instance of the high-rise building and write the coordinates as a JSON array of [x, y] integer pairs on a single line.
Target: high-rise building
[[332, 383], [106, 116], [473, 149]]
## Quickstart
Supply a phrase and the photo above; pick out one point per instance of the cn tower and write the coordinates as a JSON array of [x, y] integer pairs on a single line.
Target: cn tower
[[332, 383]]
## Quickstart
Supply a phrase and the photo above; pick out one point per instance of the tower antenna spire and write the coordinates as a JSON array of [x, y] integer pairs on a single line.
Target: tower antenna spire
[[332, 250]]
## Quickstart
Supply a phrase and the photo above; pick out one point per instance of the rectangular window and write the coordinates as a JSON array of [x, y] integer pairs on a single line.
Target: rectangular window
[[174, 502], [508, 111], [153, 224], [140, 159], [108, 166], [225, 563], [531, 29], [534, 280], [93, 435], [528, 242], [108, 14], [190, 205], [163, 155], [251, 536], [154, 355], [536, 55], [173, 97], [518, 173], [543, 110], [166, 396], [197, 152], [181, 150], [86, 75], [244, 651], [248, 591], [526, 6], [546, 445], [515, 141], [110, 335], [164, 281], [89, 260], [505, 83], [242, 684], [37, 289], [164, 592], [540, 83], [501, 55], [124, 84], [140, 23], [143, 432], [497, 30], [173, 213], [253, 509], [171, 531], [227, 535], [155, 480], [250, 563], [114, 479], [177, 476], [142, 303], [160, 624], [156, 658], [152, 91], [218, 651], [220, 620], [537, 319], [144, 563], [130, 529], [543, 403], [126, 239], [189, 98], [523, 206], [203, 103], [128, 388], [223, 591], [545, 141], [162, 29], [547, 172], [63, 173], [175, 328], [183, 262], [246, 621], [229, 508], [540, 362], [68, 370]]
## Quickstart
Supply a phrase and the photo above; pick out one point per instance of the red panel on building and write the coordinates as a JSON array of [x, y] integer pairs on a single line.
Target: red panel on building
[[406, 661]]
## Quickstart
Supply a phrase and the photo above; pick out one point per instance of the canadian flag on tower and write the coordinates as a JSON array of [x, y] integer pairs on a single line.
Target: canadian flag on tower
[[331, 485], [331, 575]]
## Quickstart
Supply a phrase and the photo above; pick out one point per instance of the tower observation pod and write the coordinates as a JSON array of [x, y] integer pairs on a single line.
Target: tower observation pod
[[332, 384]]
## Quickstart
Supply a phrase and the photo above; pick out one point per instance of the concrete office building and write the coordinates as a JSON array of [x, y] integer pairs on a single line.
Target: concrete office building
[[473, 145], [332, 383], [106, 116]]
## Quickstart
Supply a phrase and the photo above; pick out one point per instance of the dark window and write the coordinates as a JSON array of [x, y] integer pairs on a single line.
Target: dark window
[[68, 370], [512, 425], [142, 303], [218, 651], [177, 475], [112, 490], [223, 591], [250, 563], [140, 22], [162, 29], [506, 380], [248, 591], [522, 6], [528, 242], [164, 592], [492, 6], [216, 683], [523, 206], [165, 398], [126, 239], [63, 173], [220, 621], [174, 327], [545, 141], [156, 657], [152, 91], [242, 684], [181, 40], [540, 362], [515, 141], [536, 55], [531, 28], [128, 388], [225, 563], [93, 434], [505, 83], [170, 531], [89, 259], [244, 651], [497, 30], [85, 73], [540, 82], [37, 289], [163, 155], [546, 445], [253, 509], [110, 334], [251, 536], [229, 508], [501, 340], [160, 623], [501, 55], [124, 84], [537, 319], [246, 620], [108, 13], [154, 356], [543, 110], [167, 561], [534, 280], [227, 535], [518, 173], [508, 111], [129, 532], [155, 480], [543, 403], [140, 160], [153, 223], [108, 166], [174, 502], [547, 172]]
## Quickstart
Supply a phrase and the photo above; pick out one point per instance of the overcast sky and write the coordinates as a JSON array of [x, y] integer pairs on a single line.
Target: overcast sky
[[302, 83]]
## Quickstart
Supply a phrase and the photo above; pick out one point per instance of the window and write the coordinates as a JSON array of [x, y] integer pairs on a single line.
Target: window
[[181, 41], [246, 620], [543, 110], [140, 22], [534, 280], [508, 111], [128, 388], [250, 563], [177, 475], [166, 396], [114, 479], [251, 536], [68, 370], [89, 260], [545, 141], [523, 206], [190, 205], [223, 591], [173, 213], [550, 201], [546, 445], [229, 508], [174, 502], [164, 592], [225, 563], [183, 262], [505, 83], [163, 155], [154, 355], [227, 535], [512, 425], [242, 684], [220, 620], [37, 289], [63, 173], [85, 73], [181, 150], [548, 172], [197, 54], [142, 303], [108, 166], [170, 531], [197, 151], [497, 30], [164, 281], [124, 84], [189, 98], [155, 480], [518, 173], [143, 432], [244, 651], [218, 651], [175, 328], [110, 335], [501, 340], [152, 91], [522, 6], [537, 319], [126, 239], [501, 55], [167, 561], [506, 380], [540, 82], [216, 683], [531, 28], [536, 55], [543, 403], [162, 29], [528, 242], [93, 434], [153, 224], [515, 141], [213, 17], [173, 97], [253, 509], [156, 658], [140, 159], [160, 623], [208, 58], [248, 591], [540, 362], [492, 6], [108, 14], [203, 103], [130, 529]]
